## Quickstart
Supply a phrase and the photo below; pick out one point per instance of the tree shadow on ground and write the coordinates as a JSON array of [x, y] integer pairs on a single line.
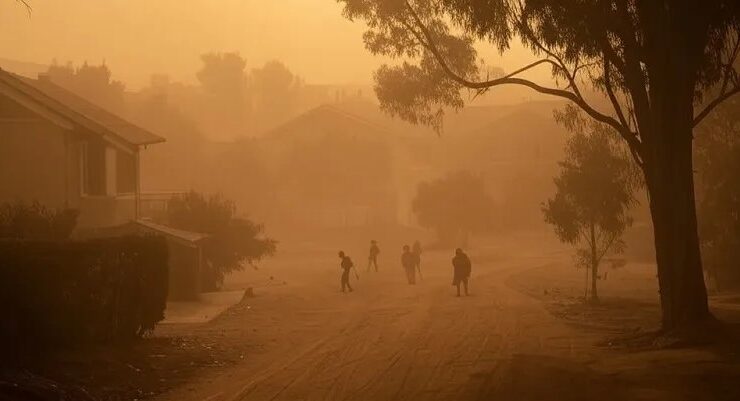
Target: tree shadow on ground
[[545, 378]]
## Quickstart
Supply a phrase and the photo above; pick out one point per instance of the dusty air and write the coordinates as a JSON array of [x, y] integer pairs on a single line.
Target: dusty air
[[371, 200]]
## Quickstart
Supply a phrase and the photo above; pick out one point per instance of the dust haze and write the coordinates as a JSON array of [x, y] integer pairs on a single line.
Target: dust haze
[[367, 200]]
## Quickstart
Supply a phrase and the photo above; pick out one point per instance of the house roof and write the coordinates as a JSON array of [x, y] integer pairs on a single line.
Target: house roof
[[187, 236], [60, 104], [328, 118]]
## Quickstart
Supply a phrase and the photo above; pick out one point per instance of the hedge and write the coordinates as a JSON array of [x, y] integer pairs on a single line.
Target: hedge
[[60, 293]]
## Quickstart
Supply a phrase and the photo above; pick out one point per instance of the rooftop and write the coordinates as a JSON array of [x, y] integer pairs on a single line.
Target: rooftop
[[183, 235], [60, 104]]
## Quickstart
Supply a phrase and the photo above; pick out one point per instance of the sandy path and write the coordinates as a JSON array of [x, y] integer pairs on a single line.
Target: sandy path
[[391, 341]]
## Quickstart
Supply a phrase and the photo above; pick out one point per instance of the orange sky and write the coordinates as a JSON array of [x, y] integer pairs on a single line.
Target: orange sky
[[139, 37]]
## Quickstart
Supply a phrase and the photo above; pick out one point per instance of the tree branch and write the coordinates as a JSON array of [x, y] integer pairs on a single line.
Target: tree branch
[[714, 103], [631, 67], [610, 92], [25, 4], [560, 63], [730, 66], [608, 246], [636, 149], [428, 42]]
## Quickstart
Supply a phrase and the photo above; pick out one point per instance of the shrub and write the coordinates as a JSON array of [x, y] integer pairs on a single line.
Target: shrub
[[35, 221], [233, 240], [61, 293]]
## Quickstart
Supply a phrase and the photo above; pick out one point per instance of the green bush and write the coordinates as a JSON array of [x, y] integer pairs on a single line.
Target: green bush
[[59, 293]]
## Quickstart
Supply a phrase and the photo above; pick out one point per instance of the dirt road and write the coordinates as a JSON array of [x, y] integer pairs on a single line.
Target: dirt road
[[392, 341]]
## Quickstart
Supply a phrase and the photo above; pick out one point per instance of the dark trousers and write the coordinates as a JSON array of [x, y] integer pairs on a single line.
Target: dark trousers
[[464, 282], [345, 282], [411, 274], [372, 261]]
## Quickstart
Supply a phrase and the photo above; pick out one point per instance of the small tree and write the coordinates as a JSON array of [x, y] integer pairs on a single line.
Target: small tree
[[233, 240], [454, 206], [660, 68], [590, 209]]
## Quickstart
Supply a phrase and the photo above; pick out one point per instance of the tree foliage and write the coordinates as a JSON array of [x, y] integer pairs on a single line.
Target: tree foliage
[[718, 168], [222, 75], [600, 42], [454, 206], [275, 90], [594, 192], [660, 66], [91, 82], [244, 100], [233, 240]]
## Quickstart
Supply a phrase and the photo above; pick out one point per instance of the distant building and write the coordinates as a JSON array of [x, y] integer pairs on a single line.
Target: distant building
[[63, 151], [334, 169]]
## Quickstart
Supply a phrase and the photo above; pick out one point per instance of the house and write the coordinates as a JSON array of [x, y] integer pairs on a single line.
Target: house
[[62, 151], [65, 152], [334, 169]]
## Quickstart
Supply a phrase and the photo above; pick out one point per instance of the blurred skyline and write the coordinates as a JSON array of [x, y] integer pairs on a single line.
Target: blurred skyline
[[138, 38]]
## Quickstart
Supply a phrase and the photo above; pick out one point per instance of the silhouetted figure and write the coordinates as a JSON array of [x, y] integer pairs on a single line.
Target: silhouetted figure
[[416, 250], [346, 265], [408, 261], [462, 267], [372, 259]]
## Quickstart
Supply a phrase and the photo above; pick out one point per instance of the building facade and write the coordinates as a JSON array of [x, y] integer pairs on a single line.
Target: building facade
[[61, 151]]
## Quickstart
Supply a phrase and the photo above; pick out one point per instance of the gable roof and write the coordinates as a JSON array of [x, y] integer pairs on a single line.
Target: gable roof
[[328, 118], [60, 104]]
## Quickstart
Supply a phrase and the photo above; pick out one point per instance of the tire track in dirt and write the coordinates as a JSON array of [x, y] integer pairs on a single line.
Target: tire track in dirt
[[389, 341]]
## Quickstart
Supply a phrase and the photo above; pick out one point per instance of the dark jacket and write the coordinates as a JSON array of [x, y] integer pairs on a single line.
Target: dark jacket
[[408, 260], [461, 264], [346, 264]]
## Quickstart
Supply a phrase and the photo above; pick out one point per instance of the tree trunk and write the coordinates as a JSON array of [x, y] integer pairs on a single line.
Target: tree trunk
[[673, 56], [670, 180], [683, 293]]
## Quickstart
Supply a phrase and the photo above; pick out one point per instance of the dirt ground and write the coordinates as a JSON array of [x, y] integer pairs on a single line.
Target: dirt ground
[[522, 334]]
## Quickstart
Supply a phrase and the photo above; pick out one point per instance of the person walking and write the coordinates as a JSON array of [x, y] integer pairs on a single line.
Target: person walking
[[462, 268], [372, 259], [416, 250], [346, 265], [408, 261]]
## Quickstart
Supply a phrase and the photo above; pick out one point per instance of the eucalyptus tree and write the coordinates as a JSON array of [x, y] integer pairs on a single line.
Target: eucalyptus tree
[[594, 193], [661, 66]]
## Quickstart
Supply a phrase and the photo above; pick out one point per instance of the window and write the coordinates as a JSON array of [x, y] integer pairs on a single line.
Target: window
[[126, 173], [92, 168]]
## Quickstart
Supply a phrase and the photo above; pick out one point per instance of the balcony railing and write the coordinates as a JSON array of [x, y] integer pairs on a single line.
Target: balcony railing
[[107, 211]]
